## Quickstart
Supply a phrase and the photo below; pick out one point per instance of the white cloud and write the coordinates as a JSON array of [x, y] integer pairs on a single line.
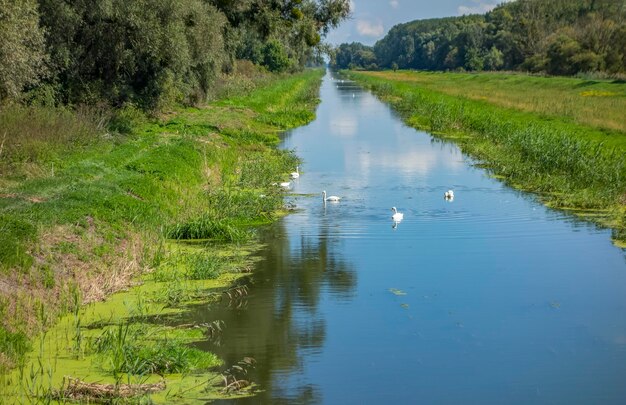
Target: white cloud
[[344, 125], [479, 7], [394, 3], [370, 29]]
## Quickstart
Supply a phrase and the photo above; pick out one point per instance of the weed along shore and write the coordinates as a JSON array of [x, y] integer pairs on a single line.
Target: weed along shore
[[561, 138], [105, 245]]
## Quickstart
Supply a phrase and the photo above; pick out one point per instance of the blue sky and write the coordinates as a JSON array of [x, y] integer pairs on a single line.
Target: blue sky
[[372, 19]]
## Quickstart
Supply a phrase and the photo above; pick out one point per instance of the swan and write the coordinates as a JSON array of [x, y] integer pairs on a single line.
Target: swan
[[285, 184], [397, 216], [296, 174], [332, 198], [449, 195]]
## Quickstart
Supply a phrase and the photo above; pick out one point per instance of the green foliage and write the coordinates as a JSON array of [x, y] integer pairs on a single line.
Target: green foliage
[[150, 52], [556, 37], [354, 55], [22, 57], [125, 119], [275, 57]]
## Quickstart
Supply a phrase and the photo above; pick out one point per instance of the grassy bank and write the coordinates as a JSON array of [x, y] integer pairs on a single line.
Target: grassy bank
[[561, 138], [95, 206]]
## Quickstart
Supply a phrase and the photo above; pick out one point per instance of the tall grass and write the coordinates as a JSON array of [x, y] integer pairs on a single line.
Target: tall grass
[[140, 350], [35, 134], [206, 227], [13, 346]]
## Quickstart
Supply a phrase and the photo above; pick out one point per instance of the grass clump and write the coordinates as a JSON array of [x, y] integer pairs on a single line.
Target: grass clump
[[207, 227], [203, 266], [13, 346], [15, 233], [144, 350]]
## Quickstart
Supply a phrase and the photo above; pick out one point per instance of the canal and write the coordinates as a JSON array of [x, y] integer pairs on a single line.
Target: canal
[[487, 298]]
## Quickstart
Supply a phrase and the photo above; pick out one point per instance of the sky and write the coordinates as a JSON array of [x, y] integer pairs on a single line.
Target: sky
[[372, 19]]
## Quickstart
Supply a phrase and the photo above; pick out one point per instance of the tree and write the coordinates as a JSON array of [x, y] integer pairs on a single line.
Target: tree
[[555, 36], [149, 52], [473, 60], [560, 52], [274, 57], [22, 55], [494, 59]]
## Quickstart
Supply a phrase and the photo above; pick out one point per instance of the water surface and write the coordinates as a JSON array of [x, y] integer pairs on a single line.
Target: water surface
[[490, 298]]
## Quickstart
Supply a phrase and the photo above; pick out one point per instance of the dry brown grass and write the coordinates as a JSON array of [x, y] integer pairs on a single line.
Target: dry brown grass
[[95, 277], [78, 390]]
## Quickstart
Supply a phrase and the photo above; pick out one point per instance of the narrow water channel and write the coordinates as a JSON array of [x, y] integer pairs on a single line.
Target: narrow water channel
[[489, 298]]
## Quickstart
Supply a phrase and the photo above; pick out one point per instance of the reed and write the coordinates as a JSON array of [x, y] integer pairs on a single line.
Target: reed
[[141, 350], [207, 227]]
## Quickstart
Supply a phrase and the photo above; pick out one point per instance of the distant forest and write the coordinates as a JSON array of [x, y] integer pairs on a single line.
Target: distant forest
[[558, 37], [150, 52]]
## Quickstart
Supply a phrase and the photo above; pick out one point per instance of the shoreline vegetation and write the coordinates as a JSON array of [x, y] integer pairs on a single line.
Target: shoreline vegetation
[[160, 208], [562, 139]]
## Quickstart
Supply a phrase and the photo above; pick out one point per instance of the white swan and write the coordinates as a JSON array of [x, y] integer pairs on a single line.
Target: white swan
[[296, 174], [397, 216], [449, 195], [285, 184], [332, 198]]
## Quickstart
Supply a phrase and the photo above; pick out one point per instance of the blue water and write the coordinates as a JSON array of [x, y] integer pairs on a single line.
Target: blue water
[[489, 298]]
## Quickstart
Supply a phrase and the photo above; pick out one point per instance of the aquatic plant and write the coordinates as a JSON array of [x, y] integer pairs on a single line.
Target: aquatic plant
[[140, 350], [203, 266]]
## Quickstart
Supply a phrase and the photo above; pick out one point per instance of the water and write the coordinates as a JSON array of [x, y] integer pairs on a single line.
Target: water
[[490, 298]]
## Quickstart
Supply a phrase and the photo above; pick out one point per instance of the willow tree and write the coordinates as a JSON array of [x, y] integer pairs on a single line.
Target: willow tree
[[22, 53], [143, 51]]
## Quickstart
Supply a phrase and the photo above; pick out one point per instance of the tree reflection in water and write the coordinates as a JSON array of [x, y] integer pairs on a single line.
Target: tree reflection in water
[[281, 319]]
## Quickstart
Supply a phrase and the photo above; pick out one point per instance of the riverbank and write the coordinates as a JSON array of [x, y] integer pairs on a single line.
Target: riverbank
[[560, 138], [165, 203]]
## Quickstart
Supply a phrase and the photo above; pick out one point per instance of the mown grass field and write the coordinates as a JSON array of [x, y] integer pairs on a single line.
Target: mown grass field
[[561, 138], [88, 210]]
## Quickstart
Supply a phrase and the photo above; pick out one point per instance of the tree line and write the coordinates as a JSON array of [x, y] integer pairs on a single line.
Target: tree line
[[560, 37], [151, 52]]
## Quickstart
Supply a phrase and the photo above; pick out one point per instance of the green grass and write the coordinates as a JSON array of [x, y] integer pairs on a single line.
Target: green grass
[[81, 211], [570, 162], [595, 103]]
